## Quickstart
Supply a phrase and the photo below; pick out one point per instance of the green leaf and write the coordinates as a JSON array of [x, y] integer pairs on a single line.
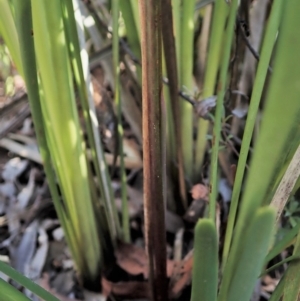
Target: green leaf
[[292, 283], [10, 293], [242, 271], [24, 281], [205, 268]]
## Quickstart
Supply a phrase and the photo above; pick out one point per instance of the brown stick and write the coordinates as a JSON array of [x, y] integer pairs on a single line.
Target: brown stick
[[150, 11]]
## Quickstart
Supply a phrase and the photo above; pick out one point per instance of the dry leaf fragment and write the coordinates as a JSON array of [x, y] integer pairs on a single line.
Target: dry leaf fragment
[[134, 260], [182, 276], [128, 290], [199, 191]]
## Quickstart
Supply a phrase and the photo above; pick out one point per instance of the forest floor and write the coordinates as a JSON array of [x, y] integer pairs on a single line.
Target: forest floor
[[32, 240]]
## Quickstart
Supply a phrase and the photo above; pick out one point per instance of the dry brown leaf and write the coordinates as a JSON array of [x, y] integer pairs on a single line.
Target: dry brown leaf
[[134, 261], [182, 276], [199, 191], [132, 289], [128, 290]]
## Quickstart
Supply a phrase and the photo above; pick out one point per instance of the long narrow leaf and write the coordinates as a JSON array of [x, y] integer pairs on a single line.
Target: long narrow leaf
[[9, 33], [30, 285], [10, 293], [220, 13], [63, 132], [116, 62], [261, 74], [238, 283]]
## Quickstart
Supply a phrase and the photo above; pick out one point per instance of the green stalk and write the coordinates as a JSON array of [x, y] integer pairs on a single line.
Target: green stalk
[[220, 13], [23, 21], [63, 131], [291, 286], [129, 14], [283, 244], [116, 62], [173, 103], [267, 48], [275, 139], [127, 8], [79, 56], [222, 86], [9, 33], [280, 263], [176, 8], [187, 81]]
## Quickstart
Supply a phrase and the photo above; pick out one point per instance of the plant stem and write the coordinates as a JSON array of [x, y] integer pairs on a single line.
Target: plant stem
[[150, 11]]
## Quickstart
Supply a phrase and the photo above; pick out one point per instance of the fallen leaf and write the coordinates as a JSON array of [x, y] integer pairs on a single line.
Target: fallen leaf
[[134, 260], [199, 191], [182, 276], [128, 290]]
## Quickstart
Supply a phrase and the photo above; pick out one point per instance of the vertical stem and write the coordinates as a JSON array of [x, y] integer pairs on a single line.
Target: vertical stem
[[150, 11], [187, 81], [214, 52], [170, 58], [218, 115], [116, 58]]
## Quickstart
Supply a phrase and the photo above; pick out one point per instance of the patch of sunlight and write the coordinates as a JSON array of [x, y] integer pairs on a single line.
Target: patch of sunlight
[[102, 165], [73, 131], [82, 163], [89, 21], [94, 118]]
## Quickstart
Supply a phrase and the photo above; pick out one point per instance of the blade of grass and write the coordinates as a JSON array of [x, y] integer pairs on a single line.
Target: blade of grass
[[24, 281], [176, 8], [291, 291], [79, 57], [116, 62], [275, 138], [127, 9], [220, 13], [23, 21], [10, 293], [267, 49], [9, 33], [171, 66], [280, 263], [63, 131], [239, 284], [205, 266], [222, 86], [277, 142], [283, 243], [186, 80]]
